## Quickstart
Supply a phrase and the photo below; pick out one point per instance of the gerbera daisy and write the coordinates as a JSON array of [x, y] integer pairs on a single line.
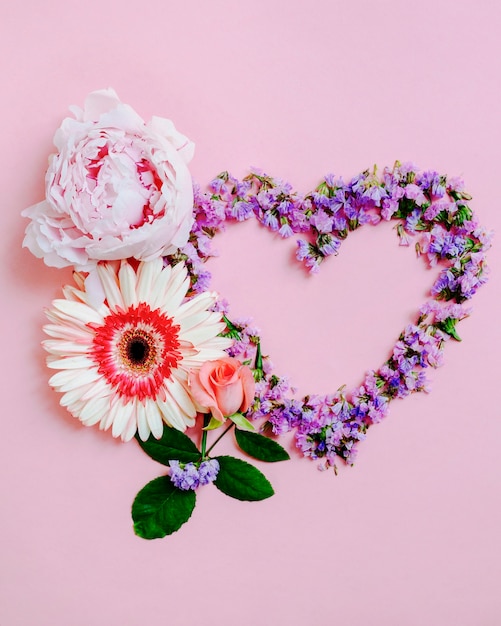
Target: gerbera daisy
[[124, 363]]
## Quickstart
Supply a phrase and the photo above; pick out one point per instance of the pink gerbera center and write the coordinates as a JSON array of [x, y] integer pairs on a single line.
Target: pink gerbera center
[[136, 350]]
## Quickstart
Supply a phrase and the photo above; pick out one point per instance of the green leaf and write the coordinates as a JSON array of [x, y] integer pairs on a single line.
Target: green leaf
[[242, 422], [449, 326], [241, 480], [160, 508], [213, 423], [261, 447], [172, 445]]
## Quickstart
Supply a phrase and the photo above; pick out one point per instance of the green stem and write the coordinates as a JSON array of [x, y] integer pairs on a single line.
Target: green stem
[[204, 437], [220, 437]]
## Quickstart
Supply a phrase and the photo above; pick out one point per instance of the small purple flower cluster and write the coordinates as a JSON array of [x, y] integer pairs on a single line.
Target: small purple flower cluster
[[191, 475], [428, 206]]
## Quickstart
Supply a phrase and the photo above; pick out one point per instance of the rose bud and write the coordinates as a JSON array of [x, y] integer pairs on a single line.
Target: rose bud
[[223, 387]]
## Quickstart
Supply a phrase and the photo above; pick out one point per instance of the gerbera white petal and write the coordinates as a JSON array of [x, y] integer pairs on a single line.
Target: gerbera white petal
[[181, 396], [69, 362], [146, 276], [61, 348], [197, 304], [112, 292], [159, 288], [67, 332], [154, 418], [171, 414], [142, 423], [70, 398], [204, 317], [201, 333], [99, 388], [109, 417], [94, 410], [123, 414], [176, 289], [66, 380], [72, 293], [130, 428], [127, 280], [78, 311]]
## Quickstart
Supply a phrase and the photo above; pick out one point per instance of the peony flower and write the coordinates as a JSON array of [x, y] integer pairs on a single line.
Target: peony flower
[[125, 363], [223, 387], [116, 188]]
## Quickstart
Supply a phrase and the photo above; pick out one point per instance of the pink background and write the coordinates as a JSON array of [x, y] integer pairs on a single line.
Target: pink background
[[410, 535]]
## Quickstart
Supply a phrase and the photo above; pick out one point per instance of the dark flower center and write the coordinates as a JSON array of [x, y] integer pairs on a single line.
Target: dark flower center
[[138, 350]]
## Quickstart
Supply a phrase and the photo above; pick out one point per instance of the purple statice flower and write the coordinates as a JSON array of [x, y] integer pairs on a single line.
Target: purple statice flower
[[306, 252], [431, 182], [413, 221], [329, 245], [322, 221], [187, 476], [184, 476], [303, 250], [445, 285], [470, 281], [241, 210], [208, 471], [340, 199], [332, 181], [413, 192], [388, 208], [320, 200], [375, 192], [203, 281], [283, 418], [437, 207], [217, 185], [455, 183], [453, 310], [270, 220], [285, 228], [339, 224]]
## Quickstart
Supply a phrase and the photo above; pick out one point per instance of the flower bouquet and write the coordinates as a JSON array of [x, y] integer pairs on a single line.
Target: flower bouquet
[[139, 344]]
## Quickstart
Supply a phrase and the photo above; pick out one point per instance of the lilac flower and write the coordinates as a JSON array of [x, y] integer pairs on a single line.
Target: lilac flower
[[322, 221], [208, 471], [413, 192], [186, 476], [241, 210]]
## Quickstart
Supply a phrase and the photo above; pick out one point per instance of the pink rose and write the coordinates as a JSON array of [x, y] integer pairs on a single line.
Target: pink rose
[[223, 387], [116, 188]]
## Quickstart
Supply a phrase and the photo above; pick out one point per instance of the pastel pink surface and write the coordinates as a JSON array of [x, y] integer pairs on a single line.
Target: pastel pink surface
[[410, 535]]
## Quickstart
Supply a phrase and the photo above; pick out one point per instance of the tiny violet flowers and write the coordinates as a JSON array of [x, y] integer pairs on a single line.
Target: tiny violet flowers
[[191, 475]]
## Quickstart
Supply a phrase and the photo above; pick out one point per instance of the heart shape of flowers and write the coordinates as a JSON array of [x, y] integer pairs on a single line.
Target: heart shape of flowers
[[143, 347], [428, 207]]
